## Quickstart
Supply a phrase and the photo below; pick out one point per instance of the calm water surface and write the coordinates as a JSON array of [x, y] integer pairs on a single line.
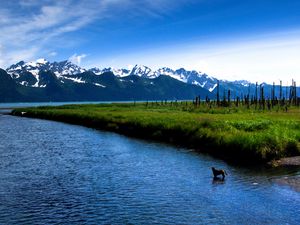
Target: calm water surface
[[55, 173], [34, 104]]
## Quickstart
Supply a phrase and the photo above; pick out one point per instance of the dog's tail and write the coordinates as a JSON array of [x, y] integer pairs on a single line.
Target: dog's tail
[[225, 172]]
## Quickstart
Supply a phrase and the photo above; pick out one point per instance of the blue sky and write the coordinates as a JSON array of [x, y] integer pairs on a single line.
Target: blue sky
[[257, 40]]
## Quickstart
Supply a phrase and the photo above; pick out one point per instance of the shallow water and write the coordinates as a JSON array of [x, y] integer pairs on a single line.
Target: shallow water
[[55, 173], [35, 104]]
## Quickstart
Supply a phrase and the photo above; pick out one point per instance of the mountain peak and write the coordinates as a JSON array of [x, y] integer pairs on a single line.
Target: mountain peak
[[66, 70], [143, 71], [37, 63], [21, 69]]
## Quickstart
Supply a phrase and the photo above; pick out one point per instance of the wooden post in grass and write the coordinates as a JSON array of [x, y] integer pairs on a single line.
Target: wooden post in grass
[[261, 100], [273, 94], [291, 93], [280, 92], [224, 98], [237, 101], [256, 95], [286, 92], [295, 93], [249, 90], [218, 93], [228, 97]]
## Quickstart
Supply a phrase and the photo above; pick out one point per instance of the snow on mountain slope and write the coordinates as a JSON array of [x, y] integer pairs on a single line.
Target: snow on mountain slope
[[190, 77], [25, 73], [116, 72], [65, 68], [28, 74], [21, 71], [143, 71]]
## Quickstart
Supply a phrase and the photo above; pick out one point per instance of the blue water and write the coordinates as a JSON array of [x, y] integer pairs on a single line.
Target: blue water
[[55, 173], [34, 104]]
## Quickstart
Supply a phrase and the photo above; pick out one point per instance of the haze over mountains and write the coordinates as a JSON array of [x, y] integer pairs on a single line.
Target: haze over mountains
[[65, 81]]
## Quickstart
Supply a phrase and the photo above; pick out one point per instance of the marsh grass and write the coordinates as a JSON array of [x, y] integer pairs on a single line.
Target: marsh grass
[[238, 134]]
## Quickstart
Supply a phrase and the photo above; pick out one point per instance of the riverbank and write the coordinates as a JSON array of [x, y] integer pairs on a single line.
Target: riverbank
[[236, 135], [287, 162]]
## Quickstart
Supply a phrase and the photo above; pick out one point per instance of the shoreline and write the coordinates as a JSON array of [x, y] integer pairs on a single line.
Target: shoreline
[[286, 162], [206, 140], [139, 135]]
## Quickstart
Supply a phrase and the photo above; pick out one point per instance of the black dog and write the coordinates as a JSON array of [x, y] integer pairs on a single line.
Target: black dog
[[218, 172]]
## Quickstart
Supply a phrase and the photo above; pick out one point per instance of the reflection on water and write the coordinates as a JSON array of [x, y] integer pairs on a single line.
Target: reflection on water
[[57, 173]]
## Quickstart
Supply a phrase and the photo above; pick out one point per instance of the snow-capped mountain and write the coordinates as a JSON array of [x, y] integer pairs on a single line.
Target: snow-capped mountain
[[137, 70], [190, 77], [244, 83], [29, 74], [116, 72], [186, 76], [65, 68], [143, 71], [34, 67], [41, 80]]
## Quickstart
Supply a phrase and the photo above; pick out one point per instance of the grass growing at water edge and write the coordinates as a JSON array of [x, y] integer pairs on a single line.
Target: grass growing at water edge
[[241, 135]]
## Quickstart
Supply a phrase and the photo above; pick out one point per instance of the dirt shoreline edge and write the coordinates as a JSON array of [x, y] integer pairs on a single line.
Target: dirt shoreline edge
[[293, 161]]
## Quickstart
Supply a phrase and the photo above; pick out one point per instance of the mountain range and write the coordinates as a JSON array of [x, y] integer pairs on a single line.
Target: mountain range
[[28, 73], [41, 80]]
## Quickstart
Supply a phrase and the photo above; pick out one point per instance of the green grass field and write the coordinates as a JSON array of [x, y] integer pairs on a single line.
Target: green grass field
[[235, 133]]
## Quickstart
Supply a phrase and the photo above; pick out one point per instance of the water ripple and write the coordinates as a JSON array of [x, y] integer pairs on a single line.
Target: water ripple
[[54, 173]]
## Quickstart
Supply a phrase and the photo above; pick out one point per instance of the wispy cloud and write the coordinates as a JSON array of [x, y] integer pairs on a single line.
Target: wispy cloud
[[52, 54], [28, 34], [77, 58], [27, 27]]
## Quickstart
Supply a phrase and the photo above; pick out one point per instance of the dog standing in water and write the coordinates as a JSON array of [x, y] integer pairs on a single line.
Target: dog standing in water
[[218, 172]]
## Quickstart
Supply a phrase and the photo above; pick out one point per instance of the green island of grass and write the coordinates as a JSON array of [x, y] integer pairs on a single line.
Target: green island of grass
[[238, 134]]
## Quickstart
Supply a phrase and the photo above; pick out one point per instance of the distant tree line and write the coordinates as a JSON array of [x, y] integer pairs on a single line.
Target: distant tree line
[[257, 98]]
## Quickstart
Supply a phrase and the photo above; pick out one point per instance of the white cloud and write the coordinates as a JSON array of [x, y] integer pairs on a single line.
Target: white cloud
[[52, 54], [18, 55], [46, 22], [77, 58], [40, 23], [30, 3], [27, 32]]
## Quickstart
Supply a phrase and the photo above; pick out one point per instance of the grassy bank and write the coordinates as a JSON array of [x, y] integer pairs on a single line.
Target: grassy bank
[[238, 134]]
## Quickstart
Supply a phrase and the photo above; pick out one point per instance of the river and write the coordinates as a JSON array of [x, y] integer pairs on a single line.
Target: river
[[56, 173]]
